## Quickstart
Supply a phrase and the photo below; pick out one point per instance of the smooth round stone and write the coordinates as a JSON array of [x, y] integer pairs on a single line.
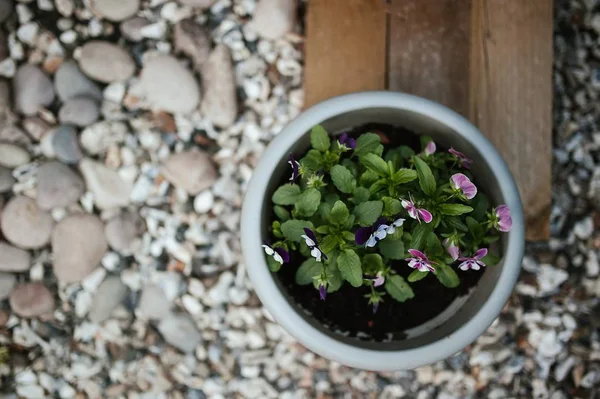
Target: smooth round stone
[[204, 202], [193, 40], [200, 4], [274, 18], [36, 127], [192, 171], [109, 189], [65, 144], [7, 282], [180, 331], [108, 296], [13, 259], [116, 10], [32, 89], [79, 111], [78, 245], [123, 232], [6, 8], [31, 300], [219, 102], [168, 86], [153, 303], [132, 28], [58, 186], [70, 82], [6, 179], [24, 224], [106, 62], [11, 155]]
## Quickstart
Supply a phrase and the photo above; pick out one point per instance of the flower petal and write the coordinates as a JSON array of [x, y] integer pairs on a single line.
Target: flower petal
[[371, 242], [379, 281], [417, 254], [480, 253], [430, 148], [466, 265], [425, 215], [285, 256], [310, 234], [268, 249], [310, 243], [399, 222], [457, 180], [316, 253], [362, 235], [322, 292]]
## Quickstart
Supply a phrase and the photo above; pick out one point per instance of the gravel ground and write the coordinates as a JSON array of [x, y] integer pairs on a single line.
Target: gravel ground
[[128, 132]]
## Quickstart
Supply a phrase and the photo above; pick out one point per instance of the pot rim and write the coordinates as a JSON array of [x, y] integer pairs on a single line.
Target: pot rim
[[294, 323]]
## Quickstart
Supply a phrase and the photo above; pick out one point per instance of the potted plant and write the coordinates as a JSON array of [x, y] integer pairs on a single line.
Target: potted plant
[[382, 231]]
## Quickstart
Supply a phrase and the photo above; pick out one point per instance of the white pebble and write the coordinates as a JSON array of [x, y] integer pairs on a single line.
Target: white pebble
[[204, 201], [28, 33], [192, 305], [68, 37]]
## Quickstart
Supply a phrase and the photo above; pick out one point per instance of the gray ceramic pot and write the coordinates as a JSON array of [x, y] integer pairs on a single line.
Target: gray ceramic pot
[[465, 319]]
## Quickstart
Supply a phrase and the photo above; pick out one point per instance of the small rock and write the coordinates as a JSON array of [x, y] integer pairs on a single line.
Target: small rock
[[78, 245], [31, 300], [36, 127], [584, 228], [193, 40], [12, 155], [219, 102], [199, 4], [109, 189], [191, 171], [6, 179], [65, 144], [169, 86], [7, 282], [106, 62], [123, 232], [24, 224], [154, 303], [70, 82], [110, 294], [79, 111], [274, 18], [6, 8], [58, 186], [180, 331], [132, 28], [30, 391], [100, 136], [204, 202], [13, 259], [550, 278], [116, 10], [32, 89]]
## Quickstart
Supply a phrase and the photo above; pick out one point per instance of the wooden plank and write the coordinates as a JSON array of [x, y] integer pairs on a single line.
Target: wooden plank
[[345, 48], [511, 95]]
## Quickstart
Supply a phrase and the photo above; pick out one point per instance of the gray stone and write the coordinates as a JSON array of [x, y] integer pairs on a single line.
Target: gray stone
[[180, 331], [6, 179], [11, 155], [32, 89], [78, 245], [219, 102], [193, 40], [192, 171], [116, 10], [7, 282], [32, 300], [132, 28], [154, 304], [123, 232], [58, 186], [106, 62], [65, 144], [24, 224], [109, 189], [109, 295], [13, 259], [199, 4], [6, 8], [70, 82], [79, 111], [169, 86], [274, 18]]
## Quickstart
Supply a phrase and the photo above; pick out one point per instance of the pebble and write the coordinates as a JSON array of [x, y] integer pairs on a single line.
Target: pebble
[[109, 189], [78, 245], [6, 8], [13, 259], [154, 304], [200, 4], [219, 102], [36, 127], [79, 111], [180, 331], [106, 62], [32, 89], [115, 10], [30, 391], [7, 282], [6, 179], [70, 82], [24, 224], [550, 278], [100, 136], [191, 171], [58, 186], [169, 86], [65, 144], [132, 28], [274, 18], [193, 40], [110, 294], [204, 202], [123, 232], [12, 156], [31, 300]]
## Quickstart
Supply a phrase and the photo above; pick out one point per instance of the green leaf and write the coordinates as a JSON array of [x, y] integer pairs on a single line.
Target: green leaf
[[446, 275], [417, 275], [319, 139], [350, 165], [392, 249], [398, 288], [378, 186], [434, 246], [395, 157], [366, 143], [324, 210], [312, 161], [343, 179], [332, 198], [274, 266], [490, 259], [372, 263], [403, 176], [335, 277], [293, 229], [424, 139], [323, 229], [328, 244], [406, 151], [368, 178], [361, 195], [457, 224], [391, 206], [419, 236], [287, 194], [281, 213], [308, 270], [375, 164], [339, 213], [349, 265], [481, 204], [475, 228], [308, 202], [348, 235], [368, 212], [426, 179], [454, 209]]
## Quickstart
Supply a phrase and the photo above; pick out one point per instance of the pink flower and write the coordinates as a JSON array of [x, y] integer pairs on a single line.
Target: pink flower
[[503, 220], [452, 248], [463, 160], [419, 261], [458, 181], [416, 213], [429, 148], [474, 262]]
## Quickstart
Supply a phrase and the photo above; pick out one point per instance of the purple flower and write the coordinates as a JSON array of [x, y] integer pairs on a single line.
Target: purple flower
[[416, 213], [430, 148], [375, 307], [463, 160], [349, 142], [322, 291], [378, 280], [452, 248], [311, 242], [279, 254], [503, 220], [419, 261], [474, 262], [370, 236], [458, 181], [295, 168]]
